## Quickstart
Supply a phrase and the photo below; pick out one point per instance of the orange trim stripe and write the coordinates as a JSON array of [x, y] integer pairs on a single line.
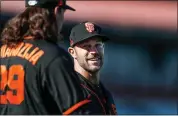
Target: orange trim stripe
[[28, 37], [76, 106], [96, 97]]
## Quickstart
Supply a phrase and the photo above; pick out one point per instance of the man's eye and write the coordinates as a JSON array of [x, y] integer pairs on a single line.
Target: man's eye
[[86, 46], [99, 45]]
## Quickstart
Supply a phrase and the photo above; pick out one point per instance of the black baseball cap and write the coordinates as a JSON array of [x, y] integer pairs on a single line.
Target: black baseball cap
[[84, 31], [48, 4]]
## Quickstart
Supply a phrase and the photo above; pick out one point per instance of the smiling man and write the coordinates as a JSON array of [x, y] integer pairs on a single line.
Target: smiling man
[[87, 50]]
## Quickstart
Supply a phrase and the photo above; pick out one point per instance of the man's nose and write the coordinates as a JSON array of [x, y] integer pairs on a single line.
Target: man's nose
[[94, 50]]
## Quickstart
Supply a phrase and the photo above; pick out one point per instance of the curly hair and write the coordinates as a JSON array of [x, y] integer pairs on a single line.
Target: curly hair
[[34, 21]]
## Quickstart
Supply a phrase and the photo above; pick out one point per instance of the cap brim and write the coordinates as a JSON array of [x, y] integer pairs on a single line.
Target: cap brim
[[68, 7], [103, 37]]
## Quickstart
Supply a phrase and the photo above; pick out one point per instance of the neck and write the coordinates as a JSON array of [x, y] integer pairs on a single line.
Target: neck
[[92, 77]]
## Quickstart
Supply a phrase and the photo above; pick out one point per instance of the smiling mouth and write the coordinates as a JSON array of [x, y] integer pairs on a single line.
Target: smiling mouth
[[94, 59]]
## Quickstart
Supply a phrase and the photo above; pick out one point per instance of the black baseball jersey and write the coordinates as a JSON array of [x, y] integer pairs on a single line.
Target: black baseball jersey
[[101, 100], [37, 77]]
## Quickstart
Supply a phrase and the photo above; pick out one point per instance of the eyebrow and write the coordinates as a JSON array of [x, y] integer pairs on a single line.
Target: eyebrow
[[99, 40]]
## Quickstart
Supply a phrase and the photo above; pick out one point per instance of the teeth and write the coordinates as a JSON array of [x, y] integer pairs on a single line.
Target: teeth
[[94, 59]]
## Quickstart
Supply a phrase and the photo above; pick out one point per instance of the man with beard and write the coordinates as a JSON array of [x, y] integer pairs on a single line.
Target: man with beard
[[36, 75], [87, 50]]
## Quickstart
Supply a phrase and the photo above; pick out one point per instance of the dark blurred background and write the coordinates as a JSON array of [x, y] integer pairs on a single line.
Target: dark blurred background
[[141, 60]]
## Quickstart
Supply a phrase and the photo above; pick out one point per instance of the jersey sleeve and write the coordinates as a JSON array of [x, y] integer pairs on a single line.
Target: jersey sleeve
[[60, 85]]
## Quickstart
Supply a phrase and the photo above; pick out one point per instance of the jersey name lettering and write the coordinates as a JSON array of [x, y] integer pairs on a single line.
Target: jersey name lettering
[[23, 50]]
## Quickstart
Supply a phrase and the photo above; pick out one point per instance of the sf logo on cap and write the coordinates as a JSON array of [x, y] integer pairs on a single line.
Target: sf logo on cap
[[32, 2], [89, 27]]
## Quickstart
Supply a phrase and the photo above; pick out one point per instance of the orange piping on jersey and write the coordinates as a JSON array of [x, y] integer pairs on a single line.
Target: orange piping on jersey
[[96, 97], [76, 106], [28, 37]]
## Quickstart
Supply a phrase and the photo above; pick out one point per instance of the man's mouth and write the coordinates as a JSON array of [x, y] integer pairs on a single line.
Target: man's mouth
[[94, 59]]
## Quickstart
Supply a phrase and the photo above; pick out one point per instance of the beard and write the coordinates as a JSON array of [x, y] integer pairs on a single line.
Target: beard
[[92, 67]]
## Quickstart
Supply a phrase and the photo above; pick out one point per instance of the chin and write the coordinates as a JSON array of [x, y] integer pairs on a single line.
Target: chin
[[94, 69]]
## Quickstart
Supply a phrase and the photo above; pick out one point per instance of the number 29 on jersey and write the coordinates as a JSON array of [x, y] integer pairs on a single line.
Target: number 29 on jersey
[[11, 84]]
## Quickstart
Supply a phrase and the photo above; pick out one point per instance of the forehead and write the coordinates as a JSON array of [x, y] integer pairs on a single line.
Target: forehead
[[92, 39]]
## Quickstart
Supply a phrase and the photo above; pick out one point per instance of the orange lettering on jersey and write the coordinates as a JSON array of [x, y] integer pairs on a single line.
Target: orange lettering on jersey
[[21, 52], [7, 53], [17, 85], [29, 46], [28, 56], [3, 83], [15, 51], [8, 81], [36, 56], [3, 49]]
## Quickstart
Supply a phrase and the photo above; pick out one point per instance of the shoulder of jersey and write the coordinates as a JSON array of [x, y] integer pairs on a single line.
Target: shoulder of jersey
[[50, 48], [51, 52]]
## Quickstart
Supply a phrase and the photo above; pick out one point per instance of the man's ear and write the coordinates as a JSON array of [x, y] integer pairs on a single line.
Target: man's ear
[[72, 52], [56, 10]]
